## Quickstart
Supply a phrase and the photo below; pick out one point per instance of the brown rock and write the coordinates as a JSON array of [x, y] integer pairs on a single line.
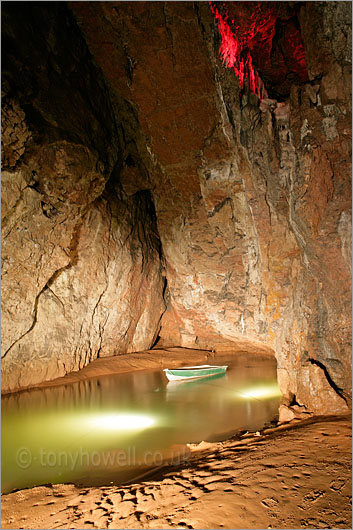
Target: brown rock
[[81, 275], [285, 414]]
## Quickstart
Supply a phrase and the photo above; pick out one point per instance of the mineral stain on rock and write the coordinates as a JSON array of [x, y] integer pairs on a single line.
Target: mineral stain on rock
[[149, 196]]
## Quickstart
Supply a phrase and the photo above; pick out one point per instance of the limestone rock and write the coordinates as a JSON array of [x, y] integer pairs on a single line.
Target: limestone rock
[[81, 269], [105, 300], [285, 414]]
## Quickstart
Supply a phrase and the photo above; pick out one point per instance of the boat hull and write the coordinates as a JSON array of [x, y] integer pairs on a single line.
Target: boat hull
[[193, 372]]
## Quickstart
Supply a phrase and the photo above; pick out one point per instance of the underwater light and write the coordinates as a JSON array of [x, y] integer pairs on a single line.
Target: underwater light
[[121, 422], [262, 392]]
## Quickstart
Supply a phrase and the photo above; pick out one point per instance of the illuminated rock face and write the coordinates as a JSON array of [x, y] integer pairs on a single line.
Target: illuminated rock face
[[252, 199], [80, 260]]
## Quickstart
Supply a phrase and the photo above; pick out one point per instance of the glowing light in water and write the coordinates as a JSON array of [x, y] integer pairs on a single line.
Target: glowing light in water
[[121, 422], [261, 392]]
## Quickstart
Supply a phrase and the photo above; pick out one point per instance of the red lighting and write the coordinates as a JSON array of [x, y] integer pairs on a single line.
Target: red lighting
[[247, 30], [235, 49]]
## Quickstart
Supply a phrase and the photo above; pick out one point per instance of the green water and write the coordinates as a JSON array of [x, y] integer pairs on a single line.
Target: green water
[[114, 428]]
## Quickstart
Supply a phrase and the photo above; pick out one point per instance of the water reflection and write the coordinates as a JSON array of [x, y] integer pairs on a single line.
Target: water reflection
[[112, 427]]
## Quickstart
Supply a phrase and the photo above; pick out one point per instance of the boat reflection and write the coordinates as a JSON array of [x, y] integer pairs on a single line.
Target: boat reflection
[[182, 385]]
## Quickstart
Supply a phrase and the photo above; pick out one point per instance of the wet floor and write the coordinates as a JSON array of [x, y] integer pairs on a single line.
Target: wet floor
[[113, 428]]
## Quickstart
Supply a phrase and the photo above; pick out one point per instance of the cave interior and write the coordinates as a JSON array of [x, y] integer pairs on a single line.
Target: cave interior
[[178, 174], [176, 187]]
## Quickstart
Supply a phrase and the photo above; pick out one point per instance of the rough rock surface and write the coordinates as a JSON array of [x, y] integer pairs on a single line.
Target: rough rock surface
[[252, 200], [81, 270]]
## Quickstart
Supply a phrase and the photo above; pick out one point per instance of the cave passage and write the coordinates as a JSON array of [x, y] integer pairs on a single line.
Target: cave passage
[[175, 189], [178, 174], [114, 428]]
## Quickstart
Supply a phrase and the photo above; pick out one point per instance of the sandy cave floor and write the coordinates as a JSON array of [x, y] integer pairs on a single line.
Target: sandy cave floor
[[296, 475]]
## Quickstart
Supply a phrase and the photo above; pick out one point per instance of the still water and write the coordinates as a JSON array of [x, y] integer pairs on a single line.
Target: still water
[[113, 428]]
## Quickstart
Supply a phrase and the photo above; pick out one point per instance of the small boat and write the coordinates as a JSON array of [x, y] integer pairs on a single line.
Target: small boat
[[193, 372]]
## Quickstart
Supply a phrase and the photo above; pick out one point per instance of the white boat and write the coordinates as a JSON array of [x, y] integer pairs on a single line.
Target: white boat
[[193, 372]]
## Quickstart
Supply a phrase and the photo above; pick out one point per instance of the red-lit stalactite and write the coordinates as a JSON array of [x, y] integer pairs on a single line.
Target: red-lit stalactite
[[235, 49], [261, 37]]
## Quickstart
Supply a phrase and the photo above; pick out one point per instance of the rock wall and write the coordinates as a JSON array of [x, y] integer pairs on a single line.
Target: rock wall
[[300, 194], [252, 201], [81, 269]]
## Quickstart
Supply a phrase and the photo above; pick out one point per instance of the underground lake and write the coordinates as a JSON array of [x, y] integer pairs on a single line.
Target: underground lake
[[115, 428]]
